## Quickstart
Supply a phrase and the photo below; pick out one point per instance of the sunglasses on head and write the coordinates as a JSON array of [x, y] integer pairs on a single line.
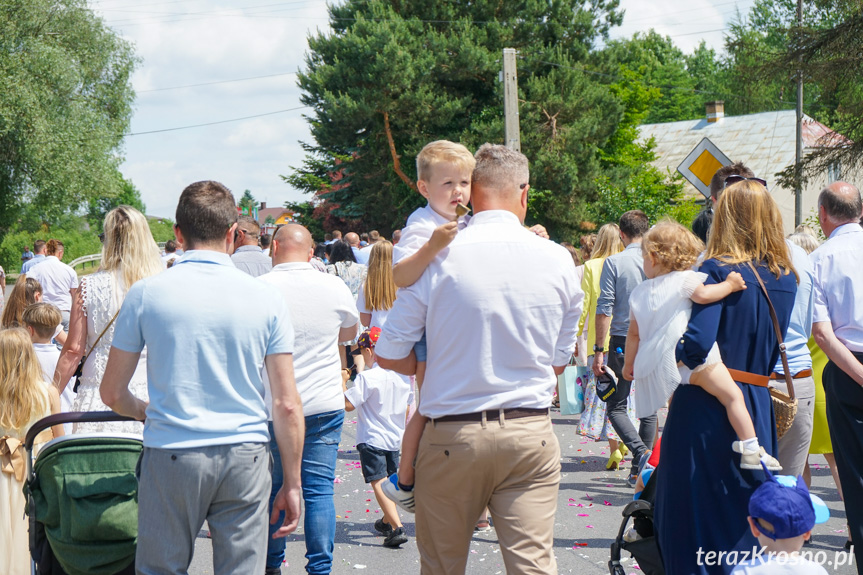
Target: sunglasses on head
[[733, 179]]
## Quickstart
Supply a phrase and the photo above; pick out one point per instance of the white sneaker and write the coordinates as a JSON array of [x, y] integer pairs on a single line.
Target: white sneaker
[[404, 499], [751, 459]]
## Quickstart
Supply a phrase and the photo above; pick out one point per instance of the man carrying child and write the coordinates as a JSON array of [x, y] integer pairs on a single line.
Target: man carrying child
[[499, 311]]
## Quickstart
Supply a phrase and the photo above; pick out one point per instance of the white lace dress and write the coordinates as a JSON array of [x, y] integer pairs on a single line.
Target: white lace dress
[[103, 296]]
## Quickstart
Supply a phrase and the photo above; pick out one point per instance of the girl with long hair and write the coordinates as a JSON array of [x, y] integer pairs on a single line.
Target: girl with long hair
[[27, 291], [377, 294], [129, 254], [25, 397]]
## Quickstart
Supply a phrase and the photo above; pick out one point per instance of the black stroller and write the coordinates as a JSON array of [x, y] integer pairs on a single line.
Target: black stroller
[[82, 499], [645, 550]]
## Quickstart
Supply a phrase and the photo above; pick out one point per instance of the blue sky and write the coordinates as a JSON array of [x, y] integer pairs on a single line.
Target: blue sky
[[186, 42]]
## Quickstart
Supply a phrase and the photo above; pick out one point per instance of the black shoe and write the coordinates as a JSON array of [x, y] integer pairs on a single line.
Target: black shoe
[[273, 571], [848, 546], [396, 537], [383, 527]]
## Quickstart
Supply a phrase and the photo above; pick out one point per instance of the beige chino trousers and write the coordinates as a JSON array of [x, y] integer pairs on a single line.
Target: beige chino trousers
[[510, 466]]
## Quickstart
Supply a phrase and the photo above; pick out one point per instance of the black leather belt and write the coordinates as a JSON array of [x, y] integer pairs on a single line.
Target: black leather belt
[[494, 414]]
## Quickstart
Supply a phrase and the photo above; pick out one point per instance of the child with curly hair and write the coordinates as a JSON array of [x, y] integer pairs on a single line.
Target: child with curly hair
[[660, 310]]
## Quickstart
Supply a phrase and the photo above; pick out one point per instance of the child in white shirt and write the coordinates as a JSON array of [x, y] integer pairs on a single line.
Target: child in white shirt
[[42, 321], [444, 171], [381, 399], [659, 313]]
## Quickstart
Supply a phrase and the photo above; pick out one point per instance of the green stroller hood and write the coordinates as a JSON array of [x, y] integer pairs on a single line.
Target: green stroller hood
[[84, 493]]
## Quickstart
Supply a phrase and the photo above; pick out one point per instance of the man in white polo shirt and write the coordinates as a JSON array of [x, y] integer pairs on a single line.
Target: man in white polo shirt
[[500, 309], [837, 325], [206, 454], [323, 313]]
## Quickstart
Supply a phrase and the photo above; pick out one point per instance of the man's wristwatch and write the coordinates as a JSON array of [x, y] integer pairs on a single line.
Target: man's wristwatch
[[598, 349]]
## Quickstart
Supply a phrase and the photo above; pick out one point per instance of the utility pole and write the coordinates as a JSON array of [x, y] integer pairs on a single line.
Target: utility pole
[[798, 156], [510, 100]]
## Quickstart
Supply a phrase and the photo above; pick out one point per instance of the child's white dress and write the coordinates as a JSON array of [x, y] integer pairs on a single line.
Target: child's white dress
[[661, 306]]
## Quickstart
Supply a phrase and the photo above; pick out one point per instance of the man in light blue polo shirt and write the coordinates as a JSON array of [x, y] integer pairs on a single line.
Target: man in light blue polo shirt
[[209, 328]]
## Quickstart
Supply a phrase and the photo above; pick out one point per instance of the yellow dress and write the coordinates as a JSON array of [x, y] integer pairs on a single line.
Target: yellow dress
[[14, 540], [590, 287], [820, 433]]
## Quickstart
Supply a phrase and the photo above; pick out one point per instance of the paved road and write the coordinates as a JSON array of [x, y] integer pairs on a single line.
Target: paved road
[[586, 488]]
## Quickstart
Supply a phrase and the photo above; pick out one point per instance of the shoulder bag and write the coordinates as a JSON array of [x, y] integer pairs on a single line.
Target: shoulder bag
[[784, 405]]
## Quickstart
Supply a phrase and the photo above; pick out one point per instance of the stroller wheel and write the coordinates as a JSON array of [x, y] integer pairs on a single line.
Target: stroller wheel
[[615, 568]]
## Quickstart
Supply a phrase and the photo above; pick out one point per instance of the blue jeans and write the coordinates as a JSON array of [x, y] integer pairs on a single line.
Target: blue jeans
[[318, 474]]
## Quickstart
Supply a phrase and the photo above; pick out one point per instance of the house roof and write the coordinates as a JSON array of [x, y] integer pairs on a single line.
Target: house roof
[[275, 212], [765, 142]]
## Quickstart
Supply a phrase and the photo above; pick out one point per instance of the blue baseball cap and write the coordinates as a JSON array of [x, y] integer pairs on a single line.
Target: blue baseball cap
[[788, 508]]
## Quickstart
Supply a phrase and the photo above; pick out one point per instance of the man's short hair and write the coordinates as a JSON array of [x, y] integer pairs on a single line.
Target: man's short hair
[[38, 245], [364, 237], [840, 207], [43, 318], [717, 182], [265, 240], [443, 151], [328, 237], [337, 235], [499, 168], [170, 246], [397, 235], [701, 224], [634, 224], [374, 236], [250, 226], [205, 212]]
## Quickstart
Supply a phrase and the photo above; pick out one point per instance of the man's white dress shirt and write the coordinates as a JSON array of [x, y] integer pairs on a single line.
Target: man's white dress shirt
[[838, 287], [500, 307]]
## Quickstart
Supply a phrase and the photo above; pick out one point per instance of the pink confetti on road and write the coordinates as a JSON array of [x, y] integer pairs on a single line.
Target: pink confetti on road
[[606, 503], [588, 497], [583, 515], [588, 526]]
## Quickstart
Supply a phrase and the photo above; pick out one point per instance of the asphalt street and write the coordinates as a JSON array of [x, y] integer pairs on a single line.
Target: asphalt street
[[588, 517]]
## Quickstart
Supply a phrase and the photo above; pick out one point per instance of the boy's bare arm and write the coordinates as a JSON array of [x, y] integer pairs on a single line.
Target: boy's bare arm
[[411, 268], [712, 293]]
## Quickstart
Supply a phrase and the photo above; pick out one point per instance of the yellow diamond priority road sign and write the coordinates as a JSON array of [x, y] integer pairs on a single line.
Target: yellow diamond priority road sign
[[700, 165]]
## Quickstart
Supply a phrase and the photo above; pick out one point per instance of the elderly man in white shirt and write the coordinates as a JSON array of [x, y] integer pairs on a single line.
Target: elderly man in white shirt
[[838, 330], [500, 309], [323, 313]]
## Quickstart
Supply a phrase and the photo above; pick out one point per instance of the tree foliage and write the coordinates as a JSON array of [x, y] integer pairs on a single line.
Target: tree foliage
[[394, 75], [65, 104], [99, 207]]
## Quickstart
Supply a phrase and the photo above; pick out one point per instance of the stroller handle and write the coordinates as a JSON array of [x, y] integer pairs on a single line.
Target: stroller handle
[[71, 417]]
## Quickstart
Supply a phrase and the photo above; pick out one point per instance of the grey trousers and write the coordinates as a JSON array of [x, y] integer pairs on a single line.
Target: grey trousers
[[794, 445], [226, 485]]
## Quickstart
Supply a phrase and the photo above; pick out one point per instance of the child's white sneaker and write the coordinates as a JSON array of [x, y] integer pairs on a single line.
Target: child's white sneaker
[[752, 458], [404, 499]]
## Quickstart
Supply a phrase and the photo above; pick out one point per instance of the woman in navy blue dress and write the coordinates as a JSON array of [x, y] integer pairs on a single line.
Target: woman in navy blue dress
[[702, 494]]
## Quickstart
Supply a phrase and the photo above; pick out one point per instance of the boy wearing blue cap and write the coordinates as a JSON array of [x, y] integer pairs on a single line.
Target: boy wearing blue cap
[[781, 516]]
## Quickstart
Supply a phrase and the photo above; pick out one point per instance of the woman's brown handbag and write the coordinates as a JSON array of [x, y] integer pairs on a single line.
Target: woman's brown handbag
[[784, 405]]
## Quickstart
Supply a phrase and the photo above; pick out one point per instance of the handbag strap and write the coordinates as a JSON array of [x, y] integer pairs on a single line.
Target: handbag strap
[[98, 339], [778, 332]]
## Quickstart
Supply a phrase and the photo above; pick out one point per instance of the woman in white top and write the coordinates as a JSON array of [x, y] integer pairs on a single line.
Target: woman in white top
[[128, 255], [57, 280]]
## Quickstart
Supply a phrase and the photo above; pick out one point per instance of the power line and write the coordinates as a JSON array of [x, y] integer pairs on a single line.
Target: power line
[[219, 122], [216, 82]]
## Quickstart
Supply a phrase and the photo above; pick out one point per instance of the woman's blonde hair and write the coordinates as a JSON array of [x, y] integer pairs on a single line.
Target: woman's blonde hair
[[675, 247], [129, 249], [608, 242], [805, 240], [380, 288], [747, 227], [23, 294], [23, 391]]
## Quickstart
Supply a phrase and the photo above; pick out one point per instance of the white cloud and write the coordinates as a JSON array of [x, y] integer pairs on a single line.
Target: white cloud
[[186, 42]]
